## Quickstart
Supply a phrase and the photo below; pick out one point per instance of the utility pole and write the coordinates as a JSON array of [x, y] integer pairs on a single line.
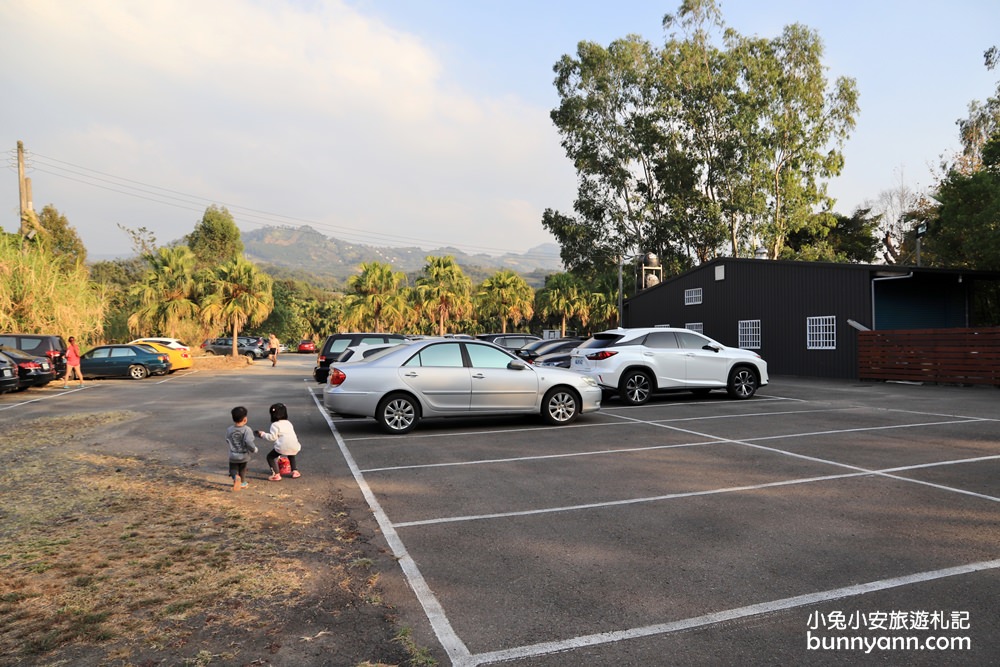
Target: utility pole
[[21, 190], [29, 222]]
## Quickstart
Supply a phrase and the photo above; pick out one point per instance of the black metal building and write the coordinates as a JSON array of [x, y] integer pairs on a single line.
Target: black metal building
[[803, 317]]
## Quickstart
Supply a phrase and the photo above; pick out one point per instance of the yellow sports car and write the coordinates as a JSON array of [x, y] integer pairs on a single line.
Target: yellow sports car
[[179, 359]]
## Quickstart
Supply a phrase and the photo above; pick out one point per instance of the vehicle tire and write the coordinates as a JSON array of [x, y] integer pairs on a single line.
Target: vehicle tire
[[635, 387], [742, 383], [251, 356], [210, 353], [560, 406], [137, 371], [397, 413]]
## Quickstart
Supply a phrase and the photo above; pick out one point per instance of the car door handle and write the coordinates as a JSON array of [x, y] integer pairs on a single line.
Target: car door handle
[[479, 376], [411, 374]]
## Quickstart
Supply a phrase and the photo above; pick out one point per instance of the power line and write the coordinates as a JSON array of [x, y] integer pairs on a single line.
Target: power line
[[255, 217]]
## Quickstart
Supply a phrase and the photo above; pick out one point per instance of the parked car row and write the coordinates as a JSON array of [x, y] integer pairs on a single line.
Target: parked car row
[[246, 346], [20, 370], [399, 382]]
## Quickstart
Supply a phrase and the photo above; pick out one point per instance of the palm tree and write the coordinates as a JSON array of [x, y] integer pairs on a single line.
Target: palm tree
[[603, 309], [444, 290], [562, 297], [377, 299], [506, 295], [238, 294], [168, 294]]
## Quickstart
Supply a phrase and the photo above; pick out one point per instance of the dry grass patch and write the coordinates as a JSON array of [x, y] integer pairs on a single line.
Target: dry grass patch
[[132, 555]]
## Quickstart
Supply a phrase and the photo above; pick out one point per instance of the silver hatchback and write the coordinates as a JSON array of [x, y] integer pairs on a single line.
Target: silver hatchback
[[454, 378]]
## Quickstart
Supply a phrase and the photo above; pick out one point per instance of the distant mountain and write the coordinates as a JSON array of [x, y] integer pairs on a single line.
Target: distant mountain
[[304, 250]]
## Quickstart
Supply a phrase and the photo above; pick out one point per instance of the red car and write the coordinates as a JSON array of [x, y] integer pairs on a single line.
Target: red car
[[307, 346]]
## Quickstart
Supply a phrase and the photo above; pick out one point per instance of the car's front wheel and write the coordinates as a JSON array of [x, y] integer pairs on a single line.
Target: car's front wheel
[[742, 383], [635, 387], [397, 413], [137, 371], [560, 406]]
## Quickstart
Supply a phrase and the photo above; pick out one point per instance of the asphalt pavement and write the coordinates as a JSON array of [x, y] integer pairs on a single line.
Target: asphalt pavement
[[822, 522]]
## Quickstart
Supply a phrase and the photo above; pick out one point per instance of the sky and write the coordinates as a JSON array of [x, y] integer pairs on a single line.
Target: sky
[[403, 122]]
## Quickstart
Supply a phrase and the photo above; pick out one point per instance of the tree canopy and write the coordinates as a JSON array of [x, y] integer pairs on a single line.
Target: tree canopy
[[694, 146], [216, 238]]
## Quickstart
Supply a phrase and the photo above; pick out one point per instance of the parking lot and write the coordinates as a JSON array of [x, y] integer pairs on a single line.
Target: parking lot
[[821, 522], [694, 531]]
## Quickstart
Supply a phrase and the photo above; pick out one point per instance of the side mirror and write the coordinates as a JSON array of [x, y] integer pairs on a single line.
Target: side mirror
[[517, 365], [712, 348]]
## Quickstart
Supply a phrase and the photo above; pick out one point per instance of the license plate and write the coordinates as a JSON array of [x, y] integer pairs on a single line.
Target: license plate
[[578, 361], [45, 367], [7, 373]]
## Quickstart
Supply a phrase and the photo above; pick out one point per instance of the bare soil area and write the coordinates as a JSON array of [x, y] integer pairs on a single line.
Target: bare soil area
[[115, 559]]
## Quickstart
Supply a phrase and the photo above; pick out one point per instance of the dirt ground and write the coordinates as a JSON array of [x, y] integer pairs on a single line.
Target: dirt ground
[[101, 567]]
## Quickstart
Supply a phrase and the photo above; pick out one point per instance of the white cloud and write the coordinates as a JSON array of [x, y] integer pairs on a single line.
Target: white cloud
[[316, 112]]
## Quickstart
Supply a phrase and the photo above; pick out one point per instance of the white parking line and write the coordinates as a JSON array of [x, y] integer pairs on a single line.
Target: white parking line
[[535, 650], [453, 646], [709, 440], [459, 653]]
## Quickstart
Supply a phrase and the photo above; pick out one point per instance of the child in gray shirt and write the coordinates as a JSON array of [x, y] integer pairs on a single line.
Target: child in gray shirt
[[239, 437]]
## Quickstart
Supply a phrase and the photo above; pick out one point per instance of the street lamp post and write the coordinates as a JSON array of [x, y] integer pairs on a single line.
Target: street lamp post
[[650, 274]]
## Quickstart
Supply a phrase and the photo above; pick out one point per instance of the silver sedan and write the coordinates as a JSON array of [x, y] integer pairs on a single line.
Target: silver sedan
[[454, 378]]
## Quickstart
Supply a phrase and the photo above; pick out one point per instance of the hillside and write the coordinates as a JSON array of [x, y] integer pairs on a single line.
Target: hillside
[[304, 250]]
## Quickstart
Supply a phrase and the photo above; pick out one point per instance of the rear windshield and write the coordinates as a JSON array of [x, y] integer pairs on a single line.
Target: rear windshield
[[600, 341]]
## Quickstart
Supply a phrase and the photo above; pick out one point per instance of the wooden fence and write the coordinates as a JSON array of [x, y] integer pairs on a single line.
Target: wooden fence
[[951, 356]]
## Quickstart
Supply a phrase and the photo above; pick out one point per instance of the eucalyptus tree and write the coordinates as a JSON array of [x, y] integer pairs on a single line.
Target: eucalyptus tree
[[216, 238], [167, 296], [61, 238], [802, 125], [376, 300], [506, 296], [237, 295], [678, 148], [444, 290]]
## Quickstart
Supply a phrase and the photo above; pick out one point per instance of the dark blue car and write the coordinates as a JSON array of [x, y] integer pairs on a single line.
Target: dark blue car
[[134, 361]]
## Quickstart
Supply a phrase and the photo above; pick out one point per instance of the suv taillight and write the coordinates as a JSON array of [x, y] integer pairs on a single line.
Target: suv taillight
[[53, 354], [336, 377], [602, 355]]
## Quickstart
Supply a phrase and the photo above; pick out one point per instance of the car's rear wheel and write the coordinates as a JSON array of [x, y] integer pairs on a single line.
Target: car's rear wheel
[[210, 353], [742, 383], [397, 413], [635, 387], [137, 371], [560, 406]]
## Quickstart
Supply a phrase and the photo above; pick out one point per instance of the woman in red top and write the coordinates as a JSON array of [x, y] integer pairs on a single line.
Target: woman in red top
[[72, 363]]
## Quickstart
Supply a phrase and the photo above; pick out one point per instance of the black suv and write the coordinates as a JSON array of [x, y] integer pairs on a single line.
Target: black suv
[[337, 343], [41, 345], [511, 341]]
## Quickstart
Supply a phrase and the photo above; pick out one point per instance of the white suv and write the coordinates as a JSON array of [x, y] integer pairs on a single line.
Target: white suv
[[634, 363]]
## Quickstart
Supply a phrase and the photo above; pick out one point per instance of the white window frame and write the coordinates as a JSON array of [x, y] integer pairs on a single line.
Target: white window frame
[[821, 332], [695, 326], [692, 297], [748, 334]]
